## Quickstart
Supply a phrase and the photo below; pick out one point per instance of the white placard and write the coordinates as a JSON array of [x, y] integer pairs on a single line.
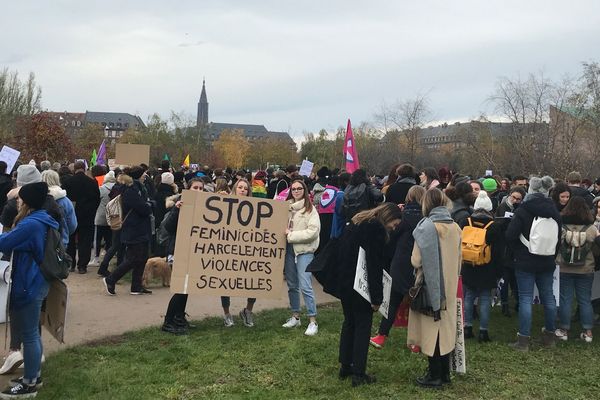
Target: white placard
[[458, 361], [306, 168], [10, 157], [488, 172], [555, 289], [361, 284]]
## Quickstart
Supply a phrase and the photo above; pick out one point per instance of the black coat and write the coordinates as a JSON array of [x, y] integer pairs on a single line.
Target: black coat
[[171, 227], [536, 205], [136, 215], [371, 237], [401, 269], [486, 276], [162, 192], [9, 212], [398, 190], [460, 212], [582, 192], [83, 191], [6, 185]]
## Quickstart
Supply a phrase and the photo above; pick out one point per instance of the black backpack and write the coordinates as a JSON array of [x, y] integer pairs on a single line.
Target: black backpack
[[56, 262], [356, 199]]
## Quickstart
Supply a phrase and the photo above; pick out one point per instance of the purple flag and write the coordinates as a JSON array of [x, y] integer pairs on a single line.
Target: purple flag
[[101, 157]]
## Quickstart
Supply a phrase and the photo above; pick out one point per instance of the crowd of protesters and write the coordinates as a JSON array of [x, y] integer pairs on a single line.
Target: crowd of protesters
[[425, 227]]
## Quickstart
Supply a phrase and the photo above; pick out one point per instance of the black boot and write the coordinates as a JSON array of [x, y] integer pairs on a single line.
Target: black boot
[[363, 379], [446, 369], [180, 321], [345, 371], [432, 379], [469, 332], [173, 328], [506, 310], [484, 336]]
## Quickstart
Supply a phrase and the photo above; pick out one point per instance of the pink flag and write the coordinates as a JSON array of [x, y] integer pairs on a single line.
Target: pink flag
[[350, 152]]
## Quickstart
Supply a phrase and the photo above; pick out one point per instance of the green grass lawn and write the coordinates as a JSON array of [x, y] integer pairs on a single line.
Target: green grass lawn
[[270, 362]]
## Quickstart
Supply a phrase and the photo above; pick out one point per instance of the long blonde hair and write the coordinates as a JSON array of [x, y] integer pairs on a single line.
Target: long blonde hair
[[24, 211], [384, 214], [434, 198]]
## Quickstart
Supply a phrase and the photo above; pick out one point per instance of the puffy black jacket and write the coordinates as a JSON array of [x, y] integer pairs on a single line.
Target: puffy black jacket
[[401, 269], [136, 215], [162, 192], [371, 237], [536, 205]]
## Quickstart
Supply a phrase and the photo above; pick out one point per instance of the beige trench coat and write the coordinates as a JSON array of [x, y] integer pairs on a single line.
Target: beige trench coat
[[423, 330]]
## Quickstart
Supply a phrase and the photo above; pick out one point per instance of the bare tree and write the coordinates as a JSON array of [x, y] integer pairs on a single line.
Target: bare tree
[[408, 117]]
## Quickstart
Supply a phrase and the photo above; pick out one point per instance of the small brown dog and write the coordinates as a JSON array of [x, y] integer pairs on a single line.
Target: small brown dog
[[157, 267]]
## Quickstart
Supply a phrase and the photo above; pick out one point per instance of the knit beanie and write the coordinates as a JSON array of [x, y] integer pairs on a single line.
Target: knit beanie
[[489, 184], [28, 174], [540, 185], [323, 172], [483, 201], [110, 177], [167, 178], [34, 194]]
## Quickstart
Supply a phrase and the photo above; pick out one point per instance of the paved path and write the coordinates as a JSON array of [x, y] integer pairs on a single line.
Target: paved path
[[92, 314]]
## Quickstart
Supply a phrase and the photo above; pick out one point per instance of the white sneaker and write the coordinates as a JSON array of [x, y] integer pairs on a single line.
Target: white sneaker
[[228, 321], [12, 361], [561, 334], [94, 262], [292, 323], [585, 337], [312, 329]]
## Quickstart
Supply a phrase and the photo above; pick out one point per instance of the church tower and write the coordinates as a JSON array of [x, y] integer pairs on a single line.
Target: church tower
[[202, 117]]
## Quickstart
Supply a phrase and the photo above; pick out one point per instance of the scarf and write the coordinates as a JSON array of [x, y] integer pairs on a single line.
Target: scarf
[[426, 238]]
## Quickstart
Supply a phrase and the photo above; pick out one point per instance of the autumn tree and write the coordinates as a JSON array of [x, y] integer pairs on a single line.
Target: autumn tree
[[17, 99], [40, 137], [271, 150], [233, 147], [87, 139]]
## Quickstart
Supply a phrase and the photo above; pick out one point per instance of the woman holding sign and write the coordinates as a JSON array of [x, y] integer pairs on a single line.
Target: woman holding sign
[[303, 239], [369, 230], [436, 257], [241, 188]]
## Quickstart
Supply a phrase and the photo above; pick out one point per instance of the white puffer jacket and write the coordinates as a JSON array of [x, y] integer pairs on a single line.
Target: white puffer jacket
[[304, 227]]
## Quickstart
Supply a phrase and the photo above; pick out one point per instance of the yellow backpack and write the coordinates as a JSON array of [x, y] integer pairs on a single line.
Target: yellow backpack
[[475, 250]]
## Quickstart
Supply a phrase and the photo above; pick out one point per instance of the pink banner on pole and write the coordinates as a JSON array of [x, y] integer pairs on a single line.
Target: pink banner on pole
[[350, 152]]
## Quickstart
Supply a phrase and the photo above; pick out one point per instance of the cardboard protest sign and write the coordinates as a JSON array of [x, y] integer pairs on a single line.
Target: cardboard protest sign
[[361, 284], [132, 154], [306, 168], [54, 317], [229, 246], [10, 157]]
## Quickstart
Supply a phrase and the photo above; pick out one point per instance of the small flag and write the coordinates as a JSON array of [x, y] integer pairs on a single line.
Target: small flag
[[186, 162], [350, 152], [93, 159], [101, 158], [167, 158]]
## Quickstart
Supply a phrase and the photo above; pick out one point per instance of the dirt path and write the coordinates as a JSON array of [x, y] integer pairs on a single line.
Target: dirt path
[[92, 314]]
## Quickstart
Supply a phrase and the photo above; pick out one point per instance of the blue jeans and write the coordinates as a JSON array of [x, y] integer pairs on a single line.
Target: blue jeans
[[299, 280], [525, 282], [27, 322], [485, 302], [581, 284]]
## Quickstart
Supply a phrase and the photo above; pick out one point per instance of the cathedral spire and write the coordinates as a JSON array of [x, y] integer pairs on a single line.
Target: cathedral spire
[[202, 116]]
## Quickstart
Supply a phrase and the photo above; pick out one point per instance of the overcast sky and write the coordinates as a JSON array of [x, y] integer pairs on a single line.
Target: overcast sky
[[293, 66]]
